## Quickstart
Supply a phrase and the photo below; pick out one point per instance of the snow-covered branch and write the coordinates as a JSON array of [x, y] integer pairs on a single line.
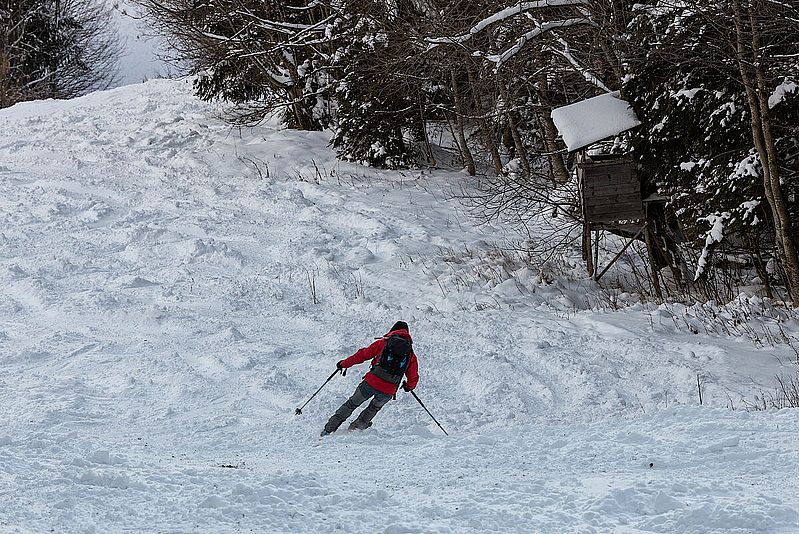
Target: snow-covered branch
[[280, 26], [500, 16], [713, 236], [502, 58], [582, 70]]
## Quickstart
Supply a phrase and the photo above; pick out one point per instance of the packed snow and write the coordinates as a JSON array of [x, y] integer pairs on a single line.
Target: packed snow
[[594, 119], [172, 288]]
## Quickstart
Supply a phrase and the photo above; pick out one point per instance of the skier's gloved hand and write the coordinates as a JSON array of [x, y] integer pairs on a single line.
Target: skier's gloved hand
[[405, 387], [340, 364]]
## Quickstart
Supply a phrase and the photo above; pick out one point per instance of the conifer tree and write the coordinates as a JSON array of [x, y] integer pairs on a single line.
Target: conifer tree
[[693, 86], [373, 107], [263, 56], [55, 49]]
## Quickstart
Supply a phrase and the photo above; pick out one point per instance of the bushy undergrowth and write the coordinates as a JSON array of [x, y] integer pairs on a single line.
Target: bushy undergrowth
[[784, 395]]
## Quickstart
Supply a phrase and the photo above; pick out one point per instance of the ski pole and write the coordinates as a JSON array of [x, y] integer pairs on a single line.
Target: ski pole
[[428, 411], [298, 411]]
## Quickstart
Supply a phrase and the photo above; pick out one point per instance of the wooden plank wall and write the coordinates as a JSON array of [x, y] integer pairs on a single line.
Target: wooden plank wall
[[611, 192]]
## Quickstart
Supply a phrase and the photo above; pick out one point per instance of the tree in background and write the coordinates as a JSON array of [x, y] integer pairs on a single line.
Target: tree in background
[[264, 56], [520, 61], [55, 49], [375, 100], [715, 86]]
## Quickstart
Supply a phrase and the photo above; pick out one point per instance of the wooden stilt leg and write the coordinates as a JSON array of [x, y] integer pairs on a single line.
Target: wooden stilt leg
[[652, 263], [588, 255], [596, 252]]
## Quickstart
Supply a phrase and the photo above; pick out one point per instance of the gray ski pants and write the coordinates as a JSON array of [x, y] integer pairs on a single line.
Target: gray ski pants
[[364, 420]]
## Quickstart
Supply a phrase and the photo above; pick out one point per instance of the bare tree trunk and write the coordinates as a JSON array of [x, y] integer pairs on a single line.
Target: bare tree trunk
[[302, 121], [559, 172], [613, 61], [460, 135], [588, 257], [5, 80], [484, 125], [760, 267], [764, 144], [54, 61], [521, 151], [780, 207], [650, 247], [431, 159]]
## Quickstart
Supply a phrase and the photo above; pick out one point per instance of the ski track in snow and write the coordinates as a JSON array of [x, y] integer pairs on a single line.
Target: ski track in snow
[[158, 328]]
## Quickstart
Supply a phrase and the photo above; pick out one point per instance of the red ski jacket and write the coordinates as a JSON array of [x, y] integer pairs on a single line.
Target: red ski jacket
[[374, 351]]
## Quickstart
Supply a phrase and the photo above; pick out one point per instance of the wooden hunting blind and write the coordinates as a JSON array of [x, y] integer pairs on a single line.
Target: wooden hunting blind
[[610, 191], [609, 185]]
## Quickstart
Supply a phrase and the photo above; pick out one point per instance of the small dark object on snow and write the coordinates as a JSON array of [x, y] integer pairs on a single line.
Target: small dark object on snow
[[232, 466]]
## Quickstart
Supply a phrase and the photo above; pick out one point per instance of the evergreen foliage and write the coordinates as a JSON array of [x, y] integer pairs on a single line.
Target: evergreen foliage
[[695, 142], [372, 108], [263, 56], [695, 145], [55, 49]]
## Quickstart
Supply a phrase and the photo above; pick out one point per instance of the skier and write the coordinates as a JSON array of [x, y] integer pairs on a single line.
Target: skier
[[392, 357]]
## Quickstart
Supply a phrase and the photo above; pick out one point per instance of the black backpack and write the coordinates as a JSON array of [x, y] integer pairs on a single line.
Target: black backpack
[[394, 360]]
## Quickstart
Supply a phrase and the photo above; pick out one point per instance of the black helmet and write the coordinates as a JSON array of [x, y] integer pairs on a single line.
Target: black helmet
[[400, 325]]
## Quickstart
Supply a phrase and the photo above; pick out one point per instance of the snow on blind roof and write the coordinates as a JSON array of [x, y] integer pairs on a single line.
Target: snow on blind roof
[[586, 122]]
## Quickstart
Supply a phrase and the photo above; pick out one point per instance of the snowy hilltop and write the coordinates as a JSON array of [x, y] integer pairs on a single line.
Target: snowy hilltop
[[172, 288]]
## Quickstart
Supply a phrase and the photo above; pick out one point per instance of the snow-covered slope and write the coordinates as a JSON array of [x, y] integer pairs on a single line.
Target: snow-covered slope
[[171, 288]]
